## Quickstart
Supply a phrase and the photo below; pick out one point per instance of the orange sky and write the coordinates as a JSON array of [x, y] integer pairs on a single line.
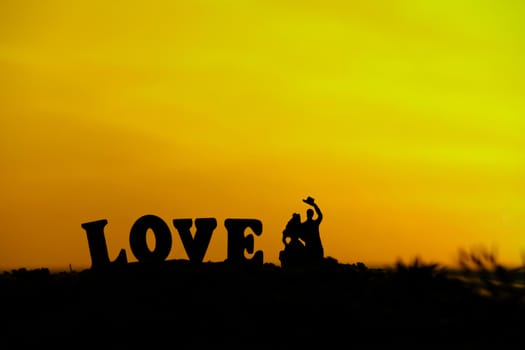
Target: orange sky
[[404, 119]]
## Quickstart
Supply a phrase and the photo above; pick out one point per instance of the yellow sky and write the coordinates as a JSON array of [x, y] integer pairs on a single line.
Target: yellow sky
[[404, 119]]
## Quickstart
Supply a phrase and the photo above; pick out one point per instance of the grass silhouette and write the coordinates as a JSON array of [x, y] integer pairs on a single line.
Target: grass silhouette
[[218, 304]]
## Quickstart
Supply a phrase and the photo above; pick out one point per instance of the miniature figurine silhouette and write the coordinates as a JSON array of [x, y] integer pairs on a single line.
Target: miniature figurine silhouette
[[294, 249], [310, 234], [302, 240]]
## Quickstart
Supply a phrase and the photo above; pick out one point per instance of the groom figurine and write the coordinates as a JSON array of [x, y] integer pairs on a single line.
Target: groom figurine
[[310, 232]]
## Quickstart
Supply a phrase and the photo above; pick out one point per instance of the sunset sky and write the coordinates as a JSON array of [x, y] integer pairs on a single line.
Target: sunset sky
[[404, 119]]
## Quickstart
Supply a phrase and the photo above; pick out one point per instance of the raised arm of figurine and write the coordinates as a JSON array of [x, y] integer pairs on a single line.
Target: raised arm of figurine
[[311, 201], [318, 212]]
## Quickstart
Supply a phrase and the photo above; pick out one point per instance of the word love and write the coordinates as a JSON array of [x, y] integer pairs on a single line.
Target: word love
[[195, 246]]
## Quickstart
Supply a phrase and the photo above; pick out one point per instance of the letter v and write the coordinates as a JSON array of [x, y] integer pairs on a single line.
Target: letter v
[[196, 246]]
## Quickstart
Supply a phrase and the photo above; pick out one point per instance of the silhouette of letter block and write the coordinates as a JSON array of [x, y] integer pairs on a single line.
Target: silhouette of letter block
[[139, 245], [195, 247], [97, 245], [238, 242]]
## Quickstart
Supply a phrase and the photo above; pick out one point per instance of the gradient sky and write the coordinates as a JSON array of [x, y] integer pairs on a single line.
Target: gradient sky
[[404, 119]]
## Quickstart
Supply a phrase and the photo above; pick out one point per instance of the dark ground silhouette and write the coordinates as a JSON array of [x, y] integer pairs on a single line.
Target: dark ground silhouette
[[183, 305]]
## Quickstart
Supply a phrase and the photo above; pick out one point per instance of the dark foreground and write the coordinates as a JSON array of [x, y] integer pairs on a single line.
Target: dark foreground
[[214, 305]]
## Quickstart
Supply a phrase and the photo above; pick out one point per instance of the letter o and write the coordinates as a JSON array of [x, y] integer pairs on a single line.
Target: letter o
[[139, 245]]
